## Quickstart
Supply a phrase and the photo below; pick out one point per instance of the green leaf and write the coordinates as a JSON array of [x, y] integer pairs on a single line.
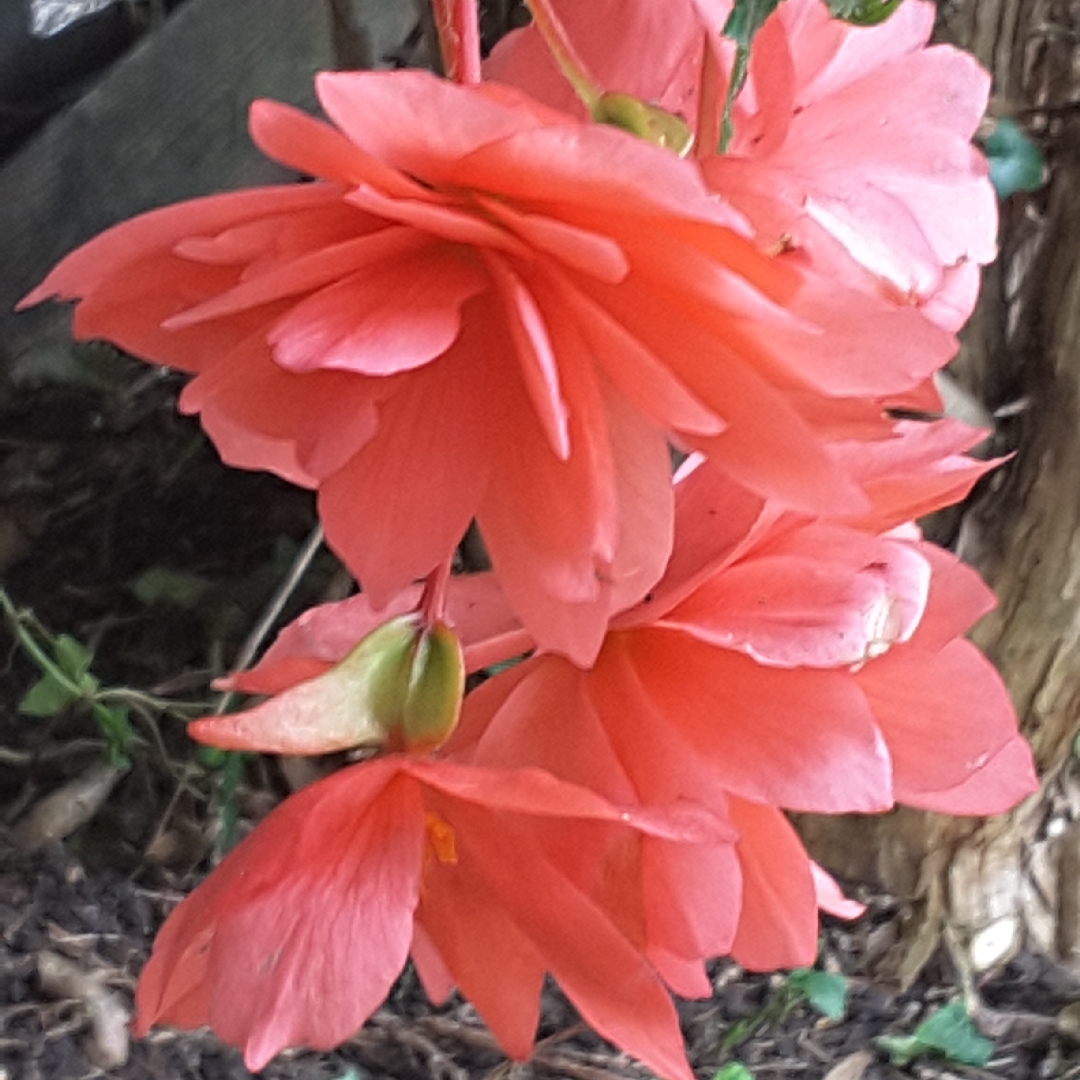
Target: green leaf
[[824, 991], [862, 12], [1015, 161], [746, 19], [116, 727], [175, 588], [948, 1033], [734, 1070], [72, 657], [47, 697]]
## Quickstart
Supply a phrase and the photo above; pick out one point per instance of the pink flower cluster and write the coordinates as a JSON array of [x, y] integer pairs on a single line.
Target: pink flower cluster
[[487, 306]]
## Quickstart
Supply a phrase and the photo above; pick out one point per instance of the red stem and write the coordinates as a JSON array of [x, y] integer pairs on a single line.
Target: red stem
[[497, 650], [433, 599], [458, 26], [711, 91]]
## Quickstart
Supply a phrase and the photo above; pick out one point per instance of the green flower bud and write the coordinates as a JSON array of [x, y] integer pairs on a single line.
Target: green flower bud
[[648, 122]]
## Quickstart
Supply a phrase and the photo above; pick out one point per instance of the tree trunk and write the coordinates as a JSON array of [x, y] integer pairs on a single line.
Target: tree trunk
[[992, 885]]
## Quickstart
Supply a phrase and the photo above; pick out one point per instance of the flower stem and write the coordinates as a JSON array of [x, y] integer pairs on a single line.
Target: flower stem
[[458, 26], [550, 28], [710, 97], [433, 599], [497, 650]]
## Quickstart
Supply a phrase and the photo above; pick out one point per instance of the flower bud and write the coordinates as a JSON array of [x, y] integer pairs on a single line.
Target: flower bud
[[648, 122], [436, 684], [400, 687]]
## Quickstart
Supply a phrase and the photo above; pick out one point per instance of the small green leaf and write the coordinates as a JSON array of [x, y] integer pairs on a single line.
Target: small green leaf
[[862, 12], [211, 756], [116, 727], [746, 19], [72, 657], [948, 1033], [824, 991], [1014, 160], [175, 588], [47, 697], [734, 1070]]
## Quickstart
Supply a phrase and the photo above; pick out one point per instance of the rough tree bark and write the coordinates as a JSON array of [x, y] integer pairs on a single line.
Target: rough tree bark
[[991, 886]]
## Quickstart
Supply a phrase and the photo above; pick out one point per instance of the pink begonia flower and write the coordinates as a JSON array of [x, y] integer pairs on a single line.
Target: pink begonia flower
[[485, 308], [298, 936], [851, 145]]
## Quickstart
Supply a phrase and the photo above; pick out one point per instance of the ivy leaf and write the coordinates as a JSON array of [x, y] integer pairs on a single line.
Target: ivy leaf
[[1014, 160], [824, 991], [862, 12], [948, 1033]]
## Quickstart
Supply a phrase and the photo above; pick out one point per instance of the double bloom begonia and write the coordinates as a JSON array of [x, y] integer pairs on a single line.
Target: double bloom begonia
[[784, 661], [486, 307]]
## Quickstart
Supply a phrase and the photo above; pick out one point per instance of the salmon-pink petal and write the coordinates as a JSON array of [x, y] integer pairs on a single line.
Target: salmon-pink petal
[[958, 598], [830, 896], [390, 521], [576, 248], [539, 793], [435, 977], [310, 271], [535, 354], [998, 785], [821, 597], [693, 897], [539, 715], [919, 469], [156, 232], [589, 170], [716, 518], [837, 54], [394, 315], [132, 304], [639, 375], [645, 502], [378, 111], [298, 935], [778, 924], [609, 981], [766, 445], [307, 963], [801, 739], [551, 526], [944, 715], [247, 403], [313, 147], [864, 345], [450, 222], [471, 928]]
